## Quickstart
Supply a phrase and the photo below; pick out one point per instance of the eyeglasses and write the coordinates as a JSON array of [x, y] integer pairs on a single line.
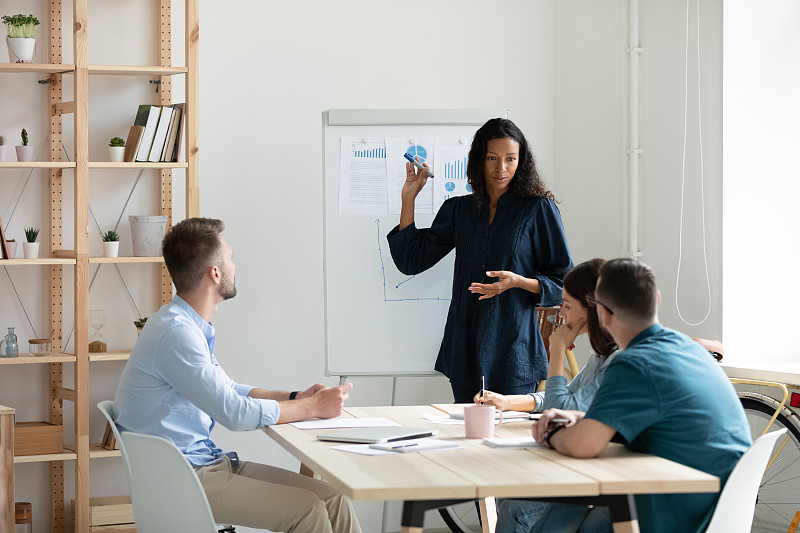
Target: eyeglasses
[[590, 299]]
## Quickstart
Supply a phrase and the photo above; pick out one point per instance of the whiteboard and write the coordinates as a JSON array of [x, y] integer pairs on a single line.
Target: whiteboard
[[377, 320]]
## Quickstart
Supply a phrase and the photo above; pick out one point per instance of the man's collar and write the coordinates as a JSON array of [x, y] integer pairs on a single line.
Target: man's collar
[[645, 333]]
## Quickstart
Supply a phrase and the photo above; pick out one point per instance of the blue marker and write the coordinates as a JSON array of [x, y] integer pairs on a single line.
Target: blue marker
[[417, 163]]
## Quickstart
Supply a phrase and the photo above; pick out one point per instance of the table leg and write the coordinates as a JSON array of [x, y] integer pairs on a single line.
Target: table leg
[[413, 517], [488, 514], [306, 470], [623, 513]]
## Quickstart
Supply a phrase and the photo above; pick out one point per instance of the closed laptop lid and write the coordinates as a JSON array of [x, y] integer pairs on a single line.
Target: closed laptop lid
[[377, 434]]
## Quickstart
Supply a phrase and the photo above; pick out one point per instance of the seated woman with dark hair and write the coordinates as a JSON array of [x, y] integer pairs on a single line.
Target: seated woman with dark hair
[[578, 318]]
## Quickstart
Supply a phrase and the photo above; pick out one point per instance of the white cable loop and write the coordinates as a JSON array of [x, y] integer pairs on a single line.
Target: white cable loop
[[683, 168]]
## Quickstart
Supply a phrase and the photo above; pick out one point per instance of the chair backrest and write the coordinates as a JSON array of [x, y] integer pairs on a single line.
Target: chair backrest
[[545, 326], [737, 501], [166, 493], [107, 408]]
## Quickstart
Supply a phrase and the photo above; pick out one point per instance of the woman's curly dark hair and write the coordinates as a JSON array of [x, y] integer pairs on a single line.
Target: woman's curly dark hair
[[526, 182]]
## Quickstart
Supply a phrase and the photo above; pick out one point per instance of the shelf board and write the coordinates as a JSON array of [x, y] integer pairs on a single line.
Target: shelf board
[[42, 68], [131, 70], [38, 164], [99, 70], [109, 356], [67, 455], [126, 259], [42, 261], [97, 451], [136, 164], [28, 359]]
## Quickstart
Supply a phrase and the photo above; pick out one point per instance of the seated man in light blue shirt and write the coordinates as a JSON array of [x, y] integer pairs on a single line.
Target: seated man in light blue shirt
[[173, 387]]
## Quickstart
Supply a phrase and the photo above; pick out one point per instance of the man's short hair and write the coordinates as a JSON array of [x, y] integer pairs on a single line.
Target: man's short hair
[[190, 248], [628, 288]]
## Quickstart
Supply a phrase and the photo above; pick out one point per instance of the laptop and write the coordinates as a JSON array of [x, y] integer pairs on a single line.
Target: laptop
[[377, 434]]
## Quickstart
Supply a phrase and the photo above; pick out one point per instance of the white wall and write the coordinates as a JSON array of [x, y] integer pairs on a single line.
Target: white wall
[[559, 67], [590, 125]]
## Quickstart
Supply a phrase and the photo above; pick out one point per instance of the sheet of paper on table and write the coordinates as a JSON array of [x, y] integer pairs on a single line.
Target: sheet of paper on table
[[333, 423]]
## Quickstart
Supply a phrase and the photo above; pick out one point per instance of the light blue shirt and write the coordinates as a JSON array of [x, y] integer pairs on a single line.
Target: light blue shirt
[[173, 387], [578, 394]]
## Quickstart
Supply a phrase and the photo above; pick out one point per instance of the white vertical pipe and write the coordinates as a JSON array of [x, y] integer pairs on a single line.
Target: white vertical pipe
[[633, 129]]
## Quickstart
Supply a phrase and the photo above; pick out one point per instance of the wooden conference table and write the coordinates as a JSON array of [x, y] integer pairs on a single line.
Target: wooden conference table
[[434, 479]]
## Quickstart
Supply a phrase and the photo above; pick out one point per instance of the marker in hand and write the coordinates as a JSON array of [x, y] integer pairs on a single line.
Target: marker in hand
[[417, 164]]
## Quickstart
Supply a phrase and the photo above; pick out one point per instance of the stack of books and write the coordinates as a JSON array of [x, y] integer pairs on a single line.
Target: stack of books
[[156, 134]]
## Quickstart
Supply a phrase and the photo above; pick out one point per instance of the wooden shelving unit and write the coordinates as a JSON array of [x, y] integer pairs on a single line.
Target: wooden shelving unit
[[81, 452]]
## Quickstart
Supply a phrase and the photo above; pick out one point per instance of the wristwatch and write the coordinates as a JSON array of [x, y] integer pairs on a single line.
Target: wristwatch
[[293, 394], [553, 432]]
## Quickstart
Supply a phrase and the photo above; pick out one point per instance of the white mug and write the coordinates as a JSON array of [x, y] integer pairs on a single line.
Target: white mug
[[479, 420]]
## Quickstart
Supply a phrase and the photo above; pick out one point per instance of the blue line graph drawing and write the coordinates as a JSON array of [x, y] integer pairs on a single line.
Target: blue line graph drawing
[[398, 287]]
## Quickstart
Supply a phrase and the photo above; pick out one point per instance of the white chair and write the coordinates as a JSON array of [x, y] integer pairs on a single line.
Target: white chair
[[737, 501], [107, 408], [166, 493]]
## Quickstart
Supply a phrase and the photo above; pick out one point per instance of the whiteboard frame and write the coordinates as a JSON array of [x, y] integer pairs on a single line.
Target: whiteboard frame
[[385, 117]]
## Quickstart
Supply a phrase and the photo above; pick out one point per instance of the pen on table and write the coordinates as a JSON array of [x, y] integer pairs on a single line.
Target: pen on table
[[562, 421], [417, 164], [483, 387]]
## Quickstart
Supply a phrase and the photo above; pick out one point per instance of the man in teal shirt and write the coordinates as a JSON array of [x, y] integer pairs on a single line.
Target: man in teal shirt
[[662, 394]]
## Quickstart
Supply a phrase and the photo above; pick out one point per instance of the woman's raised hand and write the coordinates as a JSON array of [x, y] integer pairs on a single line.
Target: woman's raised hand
[[415, 180]]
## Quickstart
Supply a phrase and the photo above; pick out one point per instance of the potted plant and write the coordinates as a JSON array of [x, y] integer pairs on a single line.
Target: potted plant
[[3, 148], [31, 248], [110, 244], [139, 323], [116, 147], [21, 38], [24, 152]]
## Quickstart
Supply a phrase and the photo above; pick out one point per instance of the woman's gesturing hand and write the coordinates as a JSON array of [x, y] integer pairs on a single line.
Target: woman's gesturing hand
[[506, 280]]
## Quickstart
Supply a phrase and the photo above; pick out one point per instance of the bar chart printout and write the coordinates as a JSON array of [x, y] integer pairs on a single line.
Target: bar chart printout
[[450, 169], [362, 177], [418, 147]]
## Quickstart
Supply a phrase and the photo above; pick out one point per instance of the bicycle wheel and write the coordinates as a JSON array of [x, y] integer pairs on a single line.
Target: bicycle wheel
[[461, 517], [779, 495]]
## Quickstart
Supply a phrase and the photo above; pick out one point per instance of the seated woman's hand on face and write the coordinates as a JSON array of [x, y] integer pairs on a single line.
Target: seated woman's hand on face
[[563, 338]]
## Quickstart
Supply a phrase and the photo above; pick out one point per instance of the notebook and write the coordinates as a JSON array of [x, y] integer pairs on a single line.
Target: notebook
[[416, 445], [507, 415], [377, 434]]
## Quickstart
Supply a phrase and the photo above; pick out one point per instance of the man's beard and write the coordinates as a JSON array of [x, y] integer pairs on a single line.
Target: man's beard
[[227, 287]]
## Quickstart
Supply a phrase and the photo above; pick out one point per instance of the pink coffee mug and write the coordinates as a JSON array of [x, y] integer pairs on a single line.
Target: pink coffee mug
[[479, 420]]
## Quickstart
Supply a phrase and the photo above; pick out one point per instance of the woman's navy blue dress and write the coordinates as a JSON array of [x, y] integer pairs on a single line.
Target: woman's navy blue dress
[[499, 337]]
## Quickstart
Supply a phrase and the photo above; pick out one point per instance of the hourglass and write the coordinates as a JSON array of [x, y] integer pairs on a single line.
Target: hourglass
[[97, 342]]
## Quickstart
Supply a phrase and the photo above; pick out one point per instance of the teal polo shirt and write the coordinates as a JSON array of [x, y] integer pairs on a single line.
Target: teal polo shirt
[[665, 395]]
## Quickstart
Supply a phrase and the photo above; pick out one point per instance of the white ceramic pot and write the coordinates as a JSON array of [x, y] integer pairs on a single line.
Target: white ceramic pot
[[21, 49], [30, 250], [110, 248], [116, 153], [147, 231], [3, 152], [24, 154]]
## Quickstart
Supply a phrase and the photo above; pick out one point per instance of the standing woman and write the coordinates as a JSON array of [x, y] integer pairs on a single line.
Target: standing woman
[[511, 255]]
